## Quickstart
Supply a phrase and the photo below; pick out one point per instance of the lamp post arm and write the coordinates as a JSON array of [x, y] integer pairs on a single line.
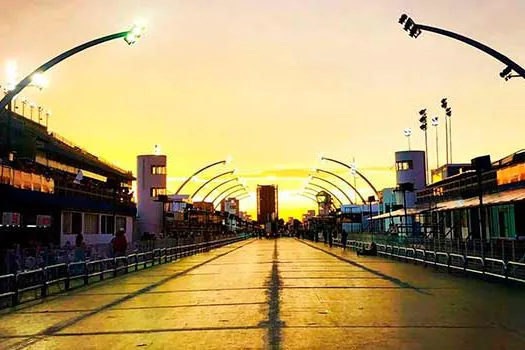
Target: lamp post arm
[[356, 171], [226, 190], [27, 80], [497, 55], [327, 190], [346, 182], [216, 187], [227, 195], [197, 173], [334, 185], [210, 180]]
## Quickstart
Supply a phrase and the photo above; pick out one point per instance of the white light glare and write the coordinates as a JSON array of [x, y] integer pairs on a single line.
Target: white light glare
[[39, 80]]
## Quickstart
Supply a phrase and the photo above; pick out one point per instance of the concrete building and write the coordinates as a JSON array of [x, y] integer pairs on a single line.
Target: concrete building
[[267, 203], [151, 183], [230, 206], [410, 169]]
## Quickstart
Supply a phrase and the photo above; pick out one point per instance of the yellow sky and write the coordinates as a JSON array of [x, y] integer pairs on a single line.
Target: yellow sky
[[272, 83]]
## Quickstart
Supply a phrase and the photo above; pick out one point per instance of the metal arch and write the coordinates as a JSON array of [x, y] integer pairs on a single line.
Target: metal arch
[[210, 180], [198, 172], [342, 179], [49, 64], [219, 185], [315, 200], [327, 190], [356, 171], [229, 194], [306, 196], [226, 190], [334, 185]]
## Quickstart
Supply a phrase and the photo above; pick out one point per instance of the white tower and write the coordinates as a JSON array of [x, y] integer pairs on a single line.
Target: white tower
[[151, 183]]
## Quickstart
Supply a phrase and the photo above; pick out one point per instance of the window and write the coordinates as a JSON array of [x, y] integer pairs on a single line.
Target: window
[[107, 224], [120, 222], [404, 165], [157, 191], [71, 223], [91, 224], [158, 170]]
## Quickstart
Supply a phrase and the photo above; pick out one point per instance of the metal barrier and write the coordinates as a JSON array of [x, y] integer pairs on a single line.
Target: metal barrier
[[474, 264], [457, 262], [516, 271], [478, 265], [65, 276]]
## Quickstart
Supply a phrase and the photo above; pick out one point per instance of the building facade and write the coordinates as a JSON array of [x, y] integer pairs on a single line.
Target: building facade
[[51, 190], [267, 203], [151, 186]]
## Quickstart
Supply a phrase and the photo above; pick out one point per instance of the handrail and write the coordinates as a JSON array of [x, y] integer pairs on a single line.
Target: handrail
[[481, 266], [50, 278]]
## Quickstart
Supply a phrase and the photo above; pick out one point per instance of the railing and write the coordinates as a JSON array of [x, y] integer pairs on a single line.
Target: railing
[[496, 248], [486, 267], [38, 283]]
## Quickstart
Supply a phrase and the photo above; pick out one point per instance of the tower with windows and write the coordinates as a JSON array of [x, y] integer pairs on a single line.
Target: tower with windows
[[151, 184]]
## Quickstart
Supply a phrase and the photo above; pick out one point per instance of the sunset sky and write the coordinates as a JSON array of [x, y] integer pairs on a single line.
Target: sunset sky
[[272, 83]]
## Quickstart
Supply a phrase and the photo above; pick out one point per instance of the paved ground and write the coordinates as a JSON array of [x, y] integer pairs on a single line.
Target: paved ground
[[276, 294]]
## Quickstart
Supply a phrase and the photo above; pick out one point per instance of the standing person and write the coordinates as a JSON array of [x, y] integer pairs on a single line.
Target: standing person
[[344, 237], [80, 248], [119, 243]]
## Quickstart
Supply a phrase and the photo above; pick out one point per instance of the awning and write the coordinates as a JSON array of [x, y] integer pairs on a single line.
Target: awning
[[489, 199], [399, 212]]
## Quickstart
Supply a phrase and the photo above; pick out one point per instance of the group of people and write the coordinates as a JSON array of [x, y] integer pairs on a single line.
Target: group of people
[[118, 245]]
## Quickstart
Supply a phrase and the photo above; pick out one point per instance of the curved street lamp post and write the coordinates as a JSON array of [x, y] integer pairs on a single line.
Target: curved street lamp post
[[342, 179], [353, 169], [415, 29]]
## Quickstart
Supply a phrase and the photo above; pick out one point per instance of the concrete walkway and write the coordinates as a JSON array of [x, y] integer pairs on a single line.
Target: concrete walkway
[[271, 294]]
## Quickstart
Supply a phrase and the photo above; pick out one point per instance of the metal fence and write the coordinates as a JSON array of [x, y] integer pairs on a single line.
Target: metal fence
[[503, 249], [448, 256], [38, 283]]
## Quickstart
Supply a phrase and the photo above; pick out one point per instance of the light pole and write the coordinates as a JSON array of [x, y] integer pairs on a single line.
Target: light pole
[[435, 124], [408, 132], [48, 113], [24, 102], [216, 187], [415, 30], [448, 127], [333, 185], [423, 126], [227, 190], [200, 171], [353, 169], [32, 107], [342, 179], [232, 172], [326, 190], [130, 36]]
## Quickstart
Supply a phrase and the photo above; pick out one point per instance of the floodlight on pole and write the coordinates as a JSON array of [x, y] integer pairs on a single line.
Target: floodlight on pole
[[448, 128], [408, 132], [435, 124], [130, 36], [415, 29]]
